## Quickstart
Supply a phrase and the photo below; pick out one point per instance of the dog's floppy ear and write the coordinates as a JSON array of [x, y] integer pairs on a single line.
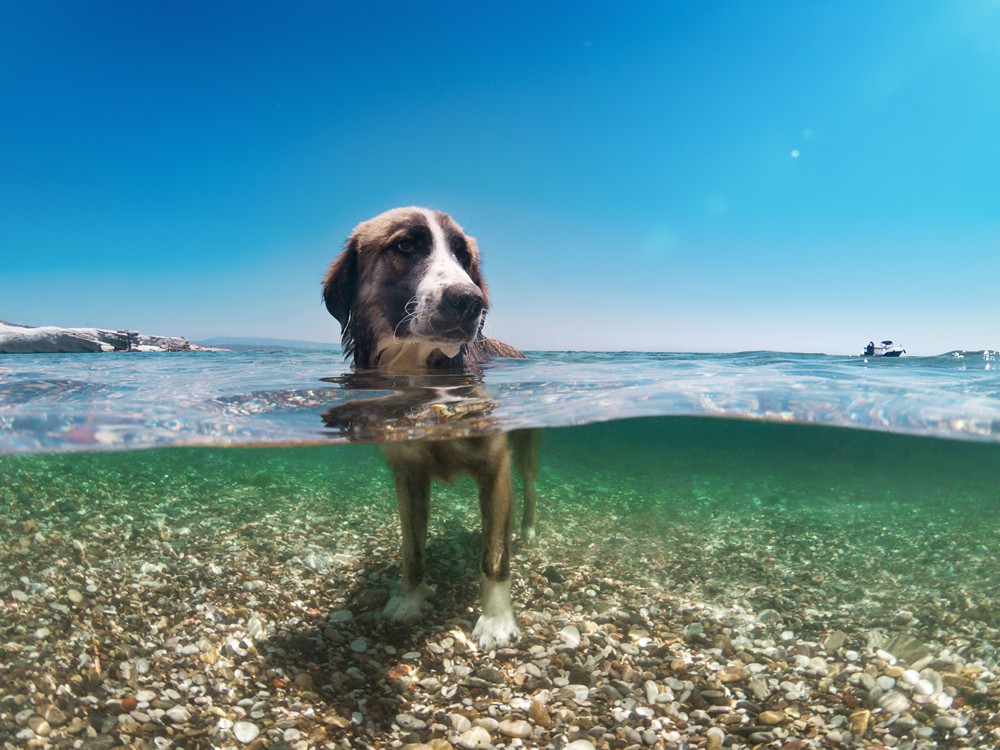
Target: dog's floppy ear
[[341, 283]]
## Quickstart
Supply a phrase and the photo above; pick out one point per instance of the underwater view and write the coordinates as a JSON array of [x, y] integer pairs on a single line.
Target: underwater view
[[755, 550]]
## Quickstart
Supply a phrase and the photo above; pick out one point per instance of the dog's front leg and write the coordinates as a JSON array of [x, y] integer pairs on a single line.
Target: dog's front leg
[[496, 626], [413, 494]]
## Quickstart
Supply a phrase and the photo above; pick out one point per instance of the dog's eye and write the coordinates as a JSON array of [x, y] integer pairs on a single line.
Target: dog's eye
[[406, 246]]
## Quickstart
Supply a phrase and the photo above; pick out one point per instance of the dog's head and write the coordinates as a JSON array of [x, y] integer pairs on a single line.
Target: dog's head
[[407, 287]]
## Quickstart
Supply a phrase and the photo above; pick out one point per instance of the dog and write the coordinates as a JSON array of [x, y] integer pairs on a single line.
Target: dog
[[409, 295]]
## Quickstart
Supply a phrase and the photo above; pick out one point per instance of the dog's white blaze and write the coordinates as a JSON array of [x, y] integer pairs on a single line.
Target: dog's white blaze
[[443, 268]]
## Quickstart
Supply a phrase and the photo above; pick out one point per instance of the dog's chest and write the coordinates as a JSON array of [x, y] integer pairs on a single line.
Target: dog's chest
[[446, 459]]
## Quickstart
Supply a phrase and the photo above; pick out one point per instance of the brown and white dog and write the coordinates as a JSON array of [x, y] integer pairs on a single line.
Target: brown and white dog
[[410, 297]]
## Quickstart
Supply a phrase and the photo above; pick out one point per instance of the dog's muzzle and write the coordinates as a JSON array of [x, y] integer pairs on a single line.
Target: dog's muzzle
[[460, 311]]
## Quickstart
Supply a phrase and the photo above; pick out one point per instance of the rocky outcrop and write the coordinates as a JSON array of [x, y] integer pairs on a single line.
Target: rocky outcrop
[[18, 339]]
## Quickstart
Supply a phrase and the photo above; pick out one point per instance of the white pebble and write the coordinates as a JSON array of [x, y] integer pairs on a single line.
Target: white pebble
[[580, 745], [923, 687], [885, 682], [178, 715], [245, 731], [894, 702], [474, 739], [255, 628], [570, 636], [515, 728]]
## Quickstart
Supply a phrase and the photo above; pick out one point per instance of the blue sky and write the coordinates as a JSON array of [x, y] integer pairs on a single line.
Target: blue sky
[[678, 176]]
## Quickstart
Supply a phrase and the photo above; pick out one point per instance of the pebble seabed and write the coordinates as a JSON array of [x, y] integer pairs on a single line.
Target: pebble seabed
[[244, 613]]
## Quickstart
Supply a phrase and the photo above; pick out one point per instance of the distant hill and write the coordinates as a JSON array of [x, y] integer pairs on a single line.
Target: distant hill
[[242, 342]]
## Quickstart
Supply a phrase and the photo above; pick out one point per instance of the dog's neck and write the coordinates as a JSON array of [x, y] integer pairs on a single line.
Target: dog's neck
[[401, 356]]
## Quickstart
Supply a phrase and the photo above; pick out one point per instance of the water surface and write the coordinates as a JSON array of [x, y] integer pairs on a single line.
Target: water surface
[[758, 548]]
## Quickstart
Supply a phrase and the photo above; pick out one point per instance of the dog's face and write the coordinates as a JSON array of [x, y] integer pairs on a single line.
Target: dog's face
[[407, 282]]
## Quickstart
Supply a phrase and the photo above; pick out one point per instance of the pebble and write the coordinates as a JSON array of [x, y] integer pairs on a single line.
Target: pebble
[[731, 674], [570, 635], [578, 693], [894, 702], [54, 716], [515, 728], [74, 596], [771, 718], [580, 745], [178, 715], [946, 721], [474, 739], [409, 722], [39, 726], [858, 722], [539, 714], [245, 731], [359, 645], [459, 723]]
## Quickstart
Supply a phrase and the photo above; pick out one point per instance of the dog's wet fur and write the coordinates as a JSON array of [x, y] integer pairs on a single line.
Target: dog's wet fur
[[410, 298]]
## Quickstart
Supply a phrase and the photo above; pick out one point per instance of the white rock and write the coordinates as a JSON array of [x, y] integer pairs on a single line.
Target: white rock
[[474, 739], [652, 691], [245, 731], [44, 339], [255, 628], [178, 714], [515, 728], [894, 702], [459, 723], [885, 682], [570, 636], [580, 745]]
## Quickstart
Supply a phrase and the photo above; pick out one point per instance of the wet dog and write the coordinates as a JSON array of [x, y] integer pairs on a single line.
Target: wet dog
[[410, 298]]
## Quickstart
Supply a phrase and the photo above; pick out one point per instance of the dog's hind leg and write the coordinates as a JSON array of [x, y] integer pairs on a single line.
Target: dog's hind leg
[[496, 626], [413, 494], [526, 447]]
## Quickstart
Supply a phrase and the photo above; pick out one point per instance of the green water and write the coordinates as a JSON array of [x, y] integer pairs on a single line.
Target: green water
[[694, 520]]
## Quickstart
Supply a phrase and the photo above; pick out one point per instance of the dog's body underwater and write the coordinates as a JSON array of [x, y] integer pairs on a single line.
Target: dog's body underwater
[[410, 298]]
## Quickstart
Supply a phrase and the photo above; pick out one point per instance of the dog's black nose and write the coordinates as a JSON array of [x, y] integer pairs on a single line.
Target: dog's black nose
[[464, 301]]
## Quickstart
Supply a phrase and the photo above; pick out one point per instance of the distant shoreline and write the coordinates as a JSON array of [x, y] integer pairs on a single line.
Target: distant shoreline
[[21, 339]]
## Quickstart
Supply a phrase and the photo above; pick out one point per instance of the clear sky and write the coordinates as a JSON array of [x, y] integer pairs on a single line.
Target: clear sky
[[678, 176]]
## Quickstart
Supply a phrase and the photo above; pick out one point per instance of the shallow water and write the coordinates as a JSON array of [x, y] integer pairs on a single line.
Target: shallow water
[[73, 402], [772, 580]]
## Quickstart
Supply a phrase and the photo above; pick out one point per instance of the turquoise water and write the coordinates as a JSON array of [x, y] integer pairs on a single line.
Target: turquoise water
[[775, 543]]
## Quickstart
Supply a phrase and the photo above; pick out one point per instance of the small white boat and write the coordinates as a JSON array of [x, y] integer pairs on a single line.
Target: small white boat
[[885, 349]]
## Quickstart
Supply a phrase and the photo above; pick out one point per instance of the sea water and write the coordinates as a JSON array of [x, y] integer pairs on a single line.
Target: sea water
[[746, 550]]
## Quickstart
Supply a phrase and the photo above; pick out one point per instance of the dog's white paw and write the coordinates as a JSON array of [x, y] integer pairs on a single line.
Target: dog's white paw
[[496, 631], [529, 536], [406, 607], [497, 627]]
